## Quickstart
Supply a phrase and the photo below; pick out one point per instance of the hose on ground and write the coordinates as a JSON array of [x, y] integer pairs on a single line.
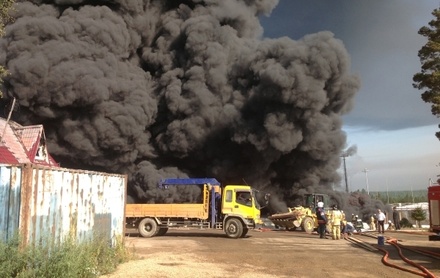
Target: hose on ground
[[425, 272]]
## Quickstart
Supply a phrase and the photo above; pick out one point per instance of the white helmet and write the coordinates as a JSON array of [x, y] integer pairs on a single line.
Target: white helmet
[[320, 204]]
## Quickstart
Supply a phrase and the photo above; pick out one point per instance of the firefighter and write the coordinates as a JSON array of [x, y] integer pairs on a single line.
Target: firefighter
[[322, 219], [391, 226], [347, 229], [353, 218], [343, 215], [373, 223], [336, 218]]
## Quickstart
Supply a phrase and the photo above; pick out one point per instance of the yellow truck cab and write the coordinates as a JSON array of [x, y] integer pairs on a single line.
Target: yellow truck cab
[[239, 202], [232, 208]]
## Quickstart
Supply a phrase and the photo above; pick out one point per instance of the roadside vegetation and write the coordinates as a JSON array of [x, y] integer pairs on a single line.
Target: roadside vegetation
[[404, 197], [69, 259]]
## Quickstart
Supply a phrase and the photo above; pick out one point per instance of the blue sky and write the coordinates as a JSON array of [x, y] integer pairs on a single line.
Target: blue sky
[[392, 128]]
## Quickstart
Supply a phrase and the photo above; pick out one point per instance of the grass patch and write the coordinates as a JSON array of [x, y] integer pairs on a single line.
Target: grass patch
[[69, 259]]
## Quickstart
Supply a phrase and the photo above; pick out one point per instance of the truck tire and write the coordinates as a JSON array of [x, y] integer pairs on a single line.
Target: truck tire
[[233, 228], [245, 231], [147, 227], [162, 231], [308, 225]]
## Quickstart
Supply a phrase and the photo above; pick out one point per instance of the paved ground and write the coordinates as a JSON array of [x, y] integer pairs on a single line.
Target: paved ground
[[206, 253]]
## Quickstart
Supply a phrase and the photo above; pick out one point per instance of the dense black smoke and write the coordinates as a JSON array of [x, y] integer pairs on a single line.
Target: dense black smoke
[[160, 89], [352, 150]]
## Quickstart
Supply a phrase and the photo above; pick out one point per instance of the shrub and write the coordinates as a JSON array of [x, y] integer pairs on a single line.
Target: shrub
[[69, 259], [11, 261], [418, 214]]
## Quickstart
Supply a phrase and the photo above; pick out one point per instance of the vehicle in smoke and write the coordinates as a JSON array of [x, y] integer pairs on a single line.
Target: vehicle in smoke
[[303, 217], [232, 208]]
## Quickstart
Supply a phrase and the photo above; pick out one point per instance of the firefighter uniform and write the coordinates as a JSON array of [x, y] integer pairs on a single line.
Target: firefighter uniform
[[337, 217], [372, 223], [322, 219]]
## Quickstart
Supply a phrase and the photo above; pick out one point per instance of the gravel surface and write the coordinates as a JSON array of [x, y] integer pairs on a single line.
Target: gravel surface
[[207, 253]]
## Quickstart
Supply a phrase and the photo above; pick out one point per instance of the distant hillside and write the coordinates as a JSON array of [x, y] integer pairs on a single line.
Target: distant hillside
[[392, 197]]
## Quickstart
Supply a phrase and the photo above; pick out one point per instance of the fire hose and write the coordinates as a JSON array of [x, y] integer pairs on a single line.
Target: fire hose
[[425, 272]]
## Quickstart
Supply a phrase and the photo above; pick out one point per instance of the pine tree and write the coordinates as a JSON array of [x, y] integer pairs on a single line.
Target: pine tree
[[5, 6], [418, 214], [429, 54]]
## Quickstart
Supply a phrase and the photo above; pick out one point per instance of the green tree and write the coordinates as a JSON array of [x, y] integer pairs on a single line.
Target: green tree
[[418, 214], [5, 7], [429, 76]]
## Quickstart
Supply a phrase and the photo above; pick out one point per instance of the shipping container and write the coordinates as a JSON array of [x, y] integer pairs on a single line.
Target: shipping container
[[10, 185], [46, 204]]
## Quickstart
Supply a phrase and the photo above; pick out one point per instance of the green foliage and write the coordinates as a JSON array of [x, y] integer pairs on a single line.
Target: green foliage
[[429, 76], [5, 7], [69, 259], [418, 214], [403, 197], [11, 261]]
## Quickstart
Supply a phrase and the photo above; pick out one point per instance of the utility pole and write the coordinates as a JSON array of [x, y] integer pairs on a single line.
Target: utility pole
[[366, 179], [345, 172], [388, 196], [7, 121], [412, 194], [348, 152]]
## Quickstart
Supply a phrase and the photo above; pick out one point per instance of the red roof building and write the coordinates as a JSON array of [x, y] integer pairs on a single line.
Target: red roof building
[[23, 144]]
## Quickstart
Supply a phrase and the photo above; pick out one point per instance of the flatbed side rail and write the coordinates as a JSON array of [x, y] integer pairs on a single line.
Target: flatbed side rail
[[167, 210]]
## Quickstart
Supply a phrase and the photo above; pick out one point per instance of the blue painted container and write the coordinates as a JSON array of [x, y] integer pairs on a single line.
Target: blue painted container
[[380, 240]]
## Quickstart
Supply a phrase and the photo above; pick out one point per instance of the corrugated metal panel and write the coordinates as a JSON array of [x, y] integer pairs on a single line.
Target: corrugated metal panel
[[10, 187], [57, 203]]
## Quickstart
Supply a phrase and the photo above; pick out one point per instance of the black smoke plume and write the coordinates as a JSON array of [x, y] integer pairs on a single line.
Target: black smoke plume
[[160, 89]]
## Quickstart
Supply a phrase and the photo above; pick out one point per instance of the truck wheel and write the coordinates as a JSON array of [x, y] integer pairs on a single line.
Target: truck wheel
[[308, 225], [147, 227], [234, 228], [162, 231], [245, 231]]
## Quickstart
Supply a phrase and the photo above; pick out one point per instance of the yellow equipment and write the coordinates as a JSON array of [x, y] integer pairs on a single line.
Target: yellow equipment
[[303, 217]]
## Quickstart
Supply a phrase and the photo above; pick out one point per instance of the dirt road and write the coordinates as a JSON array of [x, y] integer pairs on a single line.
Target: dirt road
[[189, 253]]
